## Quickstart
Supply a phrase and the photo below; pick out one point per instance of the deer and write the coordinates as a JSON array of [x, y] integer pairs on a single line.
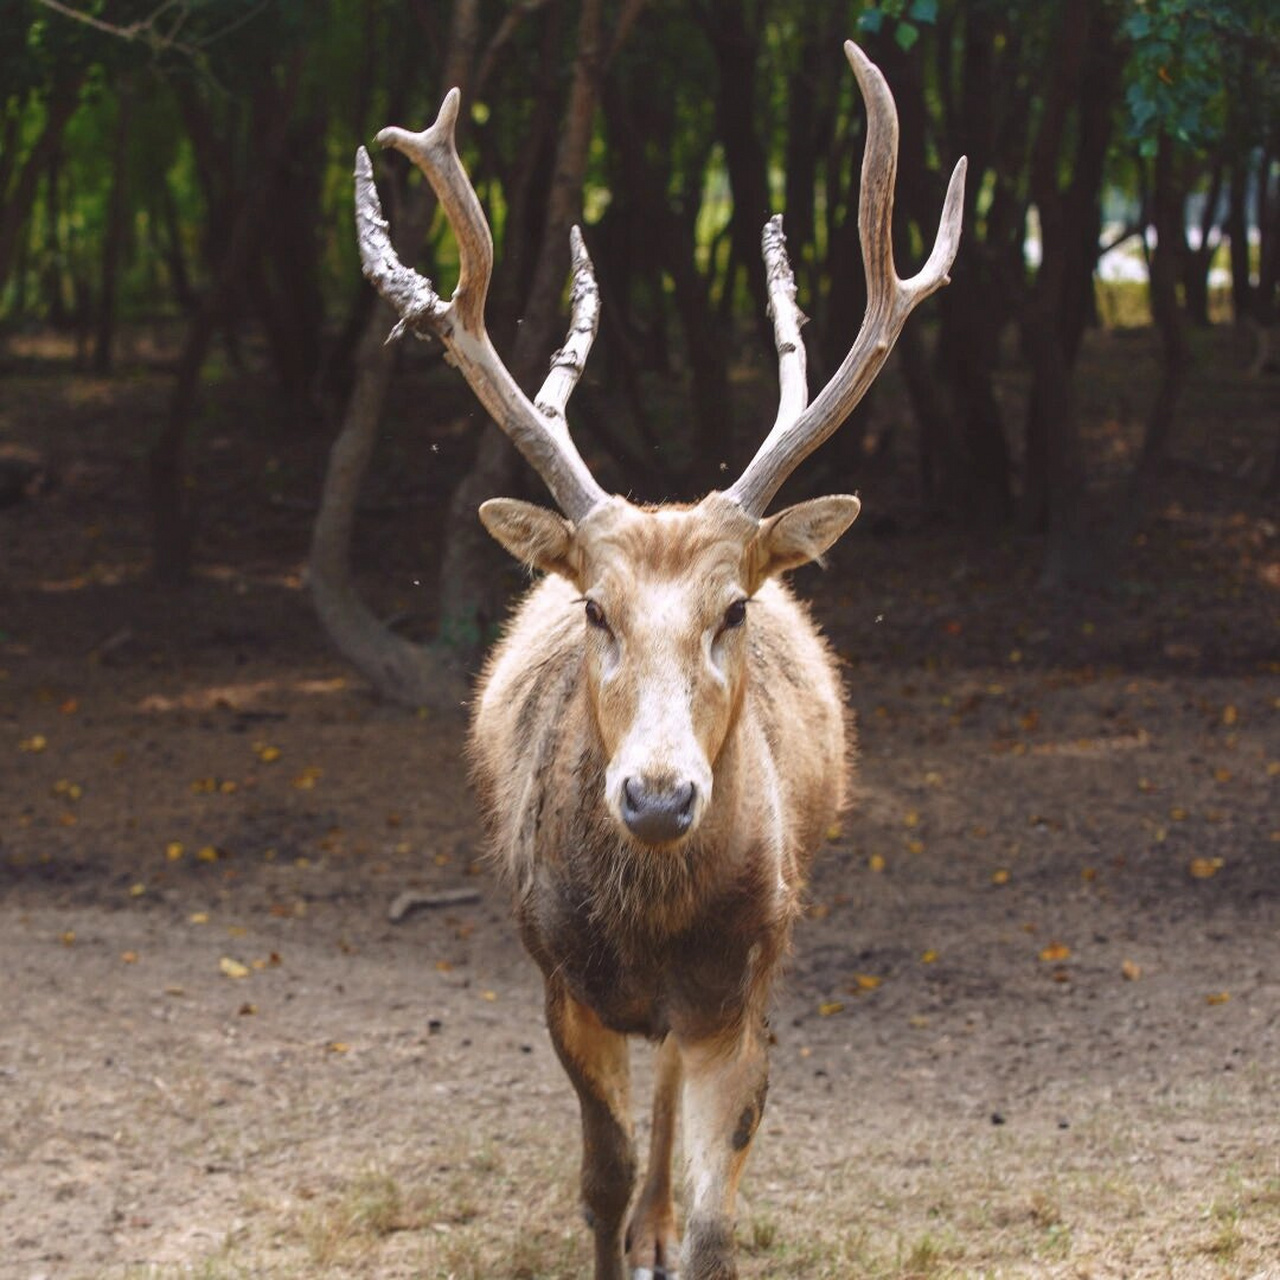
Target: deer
[[660, 741]]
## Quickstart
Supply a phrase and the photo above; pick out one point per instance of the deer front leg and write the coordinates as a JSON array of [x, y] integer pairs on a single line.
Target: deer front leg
[[597, 1061], [725, 1087], [652, 1242]]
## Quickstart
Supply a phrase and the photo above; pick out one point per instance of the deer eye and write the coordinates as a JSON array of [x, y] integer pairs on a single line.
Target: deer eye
[[735, 615], [595, 616]]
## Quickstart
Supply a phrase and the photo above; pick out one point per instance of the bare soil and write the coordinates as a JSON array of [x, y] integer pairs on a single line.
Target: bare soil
[[1032, 1023]]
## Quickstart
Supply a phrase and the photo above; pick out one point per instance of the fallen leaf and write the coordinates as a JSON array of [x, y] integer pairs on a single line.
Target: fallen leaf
[[1230, 714], [915, 846], [209, 853], [129, 957], [911, 818], [337, 1046], [68, 939], [829, 1007], [1055, 951], [34, 744], [1205, 868], [232, 968], [137, 890], [1219, 997], [865, 982], [174, 850], [198, 917], [1131, 970], [266, 753], [876, 863], [491, 996], [1000, 876], [246, 1009], [929, 957]]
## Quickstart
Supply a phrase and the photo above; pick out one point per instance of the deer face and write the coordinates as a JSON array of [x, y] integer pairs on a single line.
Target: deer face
[[666, 617]]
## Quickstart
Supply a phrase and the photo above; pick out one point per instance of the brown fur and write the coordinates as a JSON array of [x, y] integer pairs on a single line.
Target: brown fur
[[680, 939]]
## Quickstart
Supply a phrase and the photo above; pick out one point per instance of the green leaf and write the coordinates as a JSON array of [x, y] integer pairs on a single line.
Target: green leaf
[[871, 21], [906, 35], [923, 11]]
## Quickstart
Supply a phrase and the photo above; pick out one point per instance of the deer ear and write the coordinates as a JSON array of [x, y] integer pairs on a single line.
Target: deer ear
[[538, 538], [799, 534]]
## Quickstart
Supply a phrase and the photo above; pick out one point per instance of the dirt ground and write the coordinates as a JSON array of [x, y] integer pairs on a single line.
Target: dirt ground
[[1032, 1023]]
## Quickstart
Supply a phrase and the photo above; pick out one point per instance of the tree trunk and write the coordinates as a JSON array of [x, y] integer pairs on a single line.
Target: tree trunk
[[410, 674], [1167, 209], [18, 200], [171, 513], [1238, 234], [113, 234]]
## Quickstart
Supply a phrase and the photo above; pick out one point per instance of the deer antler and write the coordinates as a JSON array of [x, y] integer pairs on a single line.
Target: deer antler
[[798, 429], [537, 428]]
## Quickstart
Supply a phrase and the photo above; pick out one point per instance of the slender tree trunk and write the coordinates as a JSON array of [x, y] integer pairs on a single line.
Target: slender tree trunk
[[408, 673], [113, 234], [171, 512], [18, 200], [1167, 208], [1238, 235]]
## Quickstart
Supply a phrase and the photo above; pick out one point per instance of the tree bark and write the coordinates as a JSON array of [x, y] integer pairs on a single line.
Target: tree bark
[[171, 511], [407, 673], [19, 198], [113, 234]]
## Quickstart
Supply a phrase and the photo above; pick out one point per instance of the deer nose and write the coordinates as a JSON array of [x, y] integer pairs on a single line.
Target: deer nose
[[656, 814]]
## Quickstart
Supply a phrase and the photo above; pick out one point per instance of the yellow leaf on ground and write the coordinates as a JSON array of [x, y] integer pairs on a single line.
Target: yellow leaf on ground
[[1218, 997], [1204, 868], [137, 890], [208, 854], [68, 939], [829, 1007], [174, 850], [266, 753], [876, 863], [1131, 970], [1000, 876], [1230, 714], [232, 968], [865, 982], [198, 917], [129, 957], [911, 818], [34, 744], [929, 957], [337, 1046], [1056, 951], [489, 995]]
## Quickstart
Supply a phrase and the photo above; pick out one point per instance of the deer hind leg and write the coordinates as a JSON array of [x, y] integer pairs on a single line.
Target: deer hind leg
[[653, 1244], [598, 1063], [724, 1093]]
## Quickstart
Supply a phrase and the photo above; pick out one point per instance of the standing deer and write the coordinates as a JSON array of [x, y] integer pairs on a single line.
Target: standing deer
[[660, 741]]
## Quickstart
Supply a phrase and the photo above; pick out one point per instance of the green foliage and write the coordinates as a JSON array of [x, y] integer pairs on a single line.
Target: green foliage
[[1186, 62], [905, 18]]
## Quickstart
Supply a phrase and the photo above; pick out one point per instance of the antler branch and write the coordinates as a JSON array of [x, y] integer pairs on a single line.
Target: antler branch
[[800, 428], [539, 430]]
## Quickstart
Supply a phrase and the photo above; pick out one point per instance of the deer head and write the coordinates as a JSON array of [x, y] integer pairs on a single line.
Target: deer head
[[666, 593]]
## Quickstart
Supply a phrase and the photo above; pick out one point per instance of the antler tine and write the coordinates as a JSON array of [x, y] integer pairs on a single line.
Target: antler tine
[[799, 429], [793, 381], [568, 363], [538, 431]]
